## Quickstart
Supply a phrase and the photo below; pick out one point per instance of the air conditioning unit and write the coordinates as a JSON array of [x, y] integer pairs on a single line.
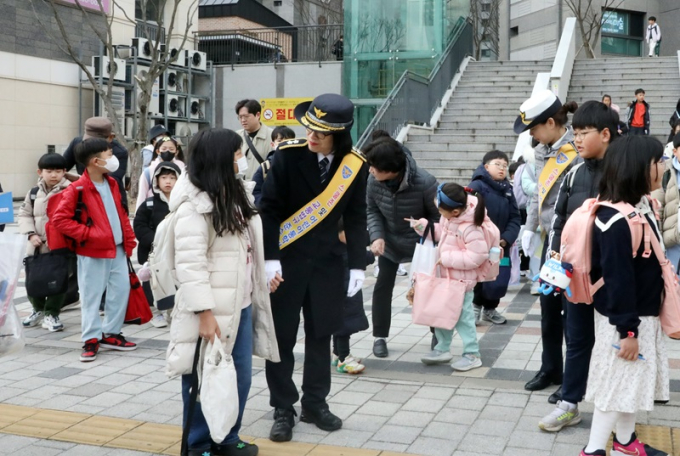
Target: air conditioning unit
[[171, 81], [186, 129], [154, 102], [144, 48], [173, 105], [117, 100], [105, 67], [175, 51], [196, 60], [197, 109]]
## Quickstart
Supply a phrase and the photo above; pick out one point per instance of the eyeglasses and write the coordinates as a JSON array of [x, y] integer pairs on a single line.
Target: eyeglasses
[[582, 134], [499, 165], [246, 117], [318, 134]]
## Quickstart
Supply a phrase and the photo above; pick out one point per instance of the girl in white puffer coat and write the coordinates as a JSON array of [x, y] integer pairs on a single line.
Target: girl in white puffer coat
[[219, 261]]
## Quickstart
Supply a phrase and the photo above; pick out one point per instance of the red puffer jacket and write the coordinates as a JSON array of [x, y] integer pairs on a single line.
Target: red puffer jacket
[[92, 232]]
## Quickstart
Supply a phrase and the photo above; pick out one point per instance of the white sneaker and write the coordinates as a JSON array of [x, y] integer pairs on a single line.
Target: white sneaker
[[33, 320], [159, 321], [436, 357], [401, 271], [467, 362], [52, 324], [562, 416], [350, 366], [376, 271]]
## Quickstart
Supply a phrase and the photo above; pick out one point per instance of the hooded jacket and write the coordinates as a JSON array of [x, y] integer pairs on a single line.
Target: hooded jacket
[[387, 210], [33, 213], [151, 214], [500, 203], [581, 183], [146, 188], [210, 271], [669, 199], [544, 215]]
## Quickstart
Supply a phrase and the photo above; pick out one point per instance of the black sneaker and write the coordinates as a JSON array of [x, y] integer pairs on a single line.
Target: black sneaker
[[239, 448], [117, 342], [284, 421]]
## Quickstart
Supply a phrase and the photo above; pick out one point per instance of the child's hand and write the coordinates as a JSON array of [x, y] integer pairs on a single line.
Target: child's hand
[[415, 224], [630, 349], [35, 240]]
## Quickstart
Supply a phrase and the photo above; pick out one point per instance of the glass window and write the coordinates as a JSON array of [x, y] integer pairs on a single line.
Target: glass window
[[151, 6], [622, 33], [621, 46]]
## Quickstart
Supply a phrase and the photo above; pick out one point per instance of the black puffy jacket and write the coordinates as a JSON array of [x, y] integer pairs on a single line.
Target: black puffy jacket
[[387, 210]]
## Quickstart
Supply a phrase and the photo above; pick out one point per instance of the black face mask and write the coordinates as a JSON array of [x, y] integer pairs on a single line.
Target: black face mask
[[167, 156]]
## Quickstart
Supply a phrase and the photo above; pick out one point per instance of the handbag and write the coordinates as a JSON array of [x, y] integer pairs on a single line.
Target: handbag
[[138, 311], [438, 301], [669, 315], [219, 392], [46, 273], [425, 254]]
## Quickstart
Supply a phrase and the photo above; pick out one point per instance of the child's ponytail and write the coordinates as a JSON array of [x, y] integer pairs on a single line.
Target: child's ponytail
[[480, 210]]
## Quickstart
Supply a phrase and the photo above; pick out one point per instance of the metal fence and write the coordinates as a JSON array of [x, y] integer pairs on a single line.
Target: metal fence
[[414, 98], [277, 44], [149, 31]]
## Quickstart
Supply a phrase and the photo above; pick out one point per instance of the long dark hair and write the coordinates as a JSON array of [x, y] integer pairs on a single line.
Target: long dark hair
[[459, 194], [342, 143], [211, 168], [626, 168]]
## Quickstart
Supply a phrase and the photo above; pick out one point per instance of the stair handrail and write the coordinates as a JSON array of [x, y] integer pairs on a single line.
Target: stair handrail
[[414, 98], [563, 65]]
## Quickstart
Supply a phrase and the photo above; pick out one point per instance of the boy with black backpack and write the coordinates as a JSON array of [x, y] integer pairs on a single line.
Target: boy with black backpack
[[32, 220]]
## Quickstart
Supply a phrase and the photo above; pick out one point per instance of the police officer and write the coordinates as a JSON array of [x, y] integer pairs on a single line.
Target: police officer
[[313, 183]]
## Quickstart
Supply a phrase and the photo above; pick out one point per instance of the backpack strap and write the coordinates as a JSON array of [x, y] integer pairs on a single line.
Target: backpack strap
[[636, 222], [572, 174], [265, 166], [666, 179], [34, 195], [147, 176]]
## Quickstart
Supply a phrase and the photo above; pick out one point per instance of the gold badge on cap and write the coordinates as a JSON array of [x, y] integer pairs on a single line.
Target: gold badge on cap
[[319, 113], [523, 116]]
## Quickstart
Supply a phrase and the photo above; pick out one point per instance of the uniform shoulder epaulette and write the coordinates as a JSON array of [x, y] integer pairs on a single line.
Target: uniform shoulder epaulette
[[359, 154], [298, 142]]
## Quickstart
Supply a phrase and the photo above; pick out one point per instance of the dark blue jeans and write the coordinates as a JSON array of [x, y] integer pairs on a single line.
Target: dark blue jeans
[[580, 335], [199, 435]]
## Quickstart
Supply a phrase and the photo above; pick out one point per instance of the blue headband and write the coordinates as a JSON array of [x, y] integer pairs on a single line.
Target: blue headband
[[442, 198]]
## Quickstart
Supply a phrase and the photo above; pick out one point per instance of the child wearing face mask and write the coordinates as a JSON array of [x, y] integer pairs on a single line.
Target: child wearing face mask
[[166, 149], [462, 250], [91, 213]]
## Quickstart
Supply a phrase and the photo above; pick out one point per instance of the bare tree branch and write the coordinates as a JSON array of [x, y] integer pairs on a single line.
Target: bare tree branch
[[590, 20]]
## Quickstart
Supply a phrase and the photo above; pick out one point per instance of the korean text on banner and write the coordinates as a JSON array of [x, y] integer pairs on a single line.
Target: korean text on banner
[[280, 111], [91, 5], [6, 208]]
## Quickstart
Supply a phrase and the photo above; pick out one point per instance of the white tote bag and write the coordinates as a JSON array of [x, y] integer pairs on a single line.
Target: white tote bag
[[11, 330], [425, 255], [219, 392]]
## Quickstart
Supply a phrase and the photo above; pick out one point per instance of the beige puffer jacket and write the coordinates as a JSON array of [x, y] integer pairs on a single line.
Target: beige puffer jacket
[[211, 272], [33, 214], [669, 201]]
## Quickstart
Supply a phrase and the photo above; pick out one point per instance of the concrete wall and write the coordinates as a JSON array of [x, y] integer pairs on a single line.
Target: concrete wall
[[286, 80]]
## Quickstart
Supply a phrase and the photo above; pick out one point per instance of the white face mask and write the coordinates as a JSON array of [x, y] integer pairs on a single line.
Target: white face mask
[[111, 164], [242, 164]]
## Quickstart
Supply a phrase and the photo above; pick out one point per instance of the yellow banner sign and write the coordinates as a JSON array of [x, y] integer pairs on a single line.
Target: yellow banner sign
[[279, 111]]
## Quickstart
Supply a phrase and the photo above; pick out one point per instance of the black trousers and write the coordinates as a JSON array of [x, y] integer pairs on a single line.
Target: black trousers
[[480, 300], [341, 347], [382, 297], [552, 330], [580, 335], [637, 131], [316, 376], [72, 294]]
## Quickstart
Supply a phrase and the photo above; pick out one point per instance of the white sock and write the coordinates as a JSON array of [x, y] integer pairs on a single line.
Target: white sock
[[601, 429], [381, 338], [571, 406], [625, 428]]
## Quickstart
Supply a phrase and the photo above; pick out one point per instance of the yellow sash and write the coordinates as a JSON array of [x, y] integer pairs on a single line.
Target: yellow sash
[[553, 169], [312, 213]]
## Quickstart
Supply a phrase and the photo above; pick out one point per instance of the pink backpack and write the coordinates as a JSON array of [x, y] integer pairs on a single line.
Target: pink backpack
[[488, 271]]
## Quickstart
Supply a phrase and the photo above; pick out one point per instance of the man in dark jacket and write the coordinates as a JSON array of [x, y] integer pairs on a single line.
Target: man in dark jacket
[[397, 189], [595, 126], [638, 115], [310, 186], [101, 127], [490, 181]]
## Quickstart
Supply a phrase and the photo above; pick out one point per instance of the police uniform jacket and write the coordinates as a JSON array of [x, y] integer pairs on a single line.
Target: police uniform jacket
[[313, 264]]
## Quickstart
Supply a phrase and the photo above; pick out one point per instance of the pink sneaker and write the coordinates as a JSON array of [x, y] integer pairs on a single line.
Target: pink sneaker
[[635, 448]]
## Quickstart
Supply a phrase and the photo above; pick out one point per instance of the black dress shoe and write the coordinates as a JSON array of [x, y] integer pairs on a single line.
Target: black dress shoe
[[282, 430], [541, 381], [322, 418], [380, 348], [556, 396], [239, 448]]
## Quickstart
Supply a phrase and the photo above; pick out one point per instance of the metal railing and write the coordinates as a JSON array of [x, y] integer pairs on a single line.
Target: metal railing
[[149, 31], [414, 98], [313, 43]]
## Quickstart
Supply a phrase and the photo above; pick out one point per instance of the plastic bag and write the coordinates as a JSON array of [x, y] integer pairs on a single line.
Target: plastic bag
[[425, 254], [515, 261], [219, 392], [11, 332]]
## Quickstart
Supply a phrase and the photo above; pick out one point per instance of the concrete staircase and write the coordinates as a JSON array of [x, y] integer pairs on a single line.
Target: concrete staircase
[[620, 77], [478, 118]]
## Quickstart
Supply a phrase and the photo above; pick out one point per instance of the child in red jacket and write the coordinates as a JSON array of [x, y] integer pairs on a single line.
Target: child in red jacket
[[92, 214]]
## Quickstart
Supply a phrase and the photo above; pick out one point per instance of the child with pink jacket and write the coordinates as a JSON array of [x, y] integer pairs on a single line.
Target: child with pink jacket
[[462, 250]]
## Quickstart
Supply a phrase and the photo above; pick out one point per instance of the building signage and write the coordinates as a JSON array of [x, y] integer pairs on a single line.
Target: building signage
[[615, 22], [90, 4], [279, 111]]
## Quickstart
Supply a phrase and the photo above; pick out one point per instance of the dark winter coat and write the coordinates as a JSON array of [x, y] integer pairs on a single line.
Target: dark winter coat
[[500, 203], [259, 178], [354, 318], [631, 114], [581, 183], [387, 210]]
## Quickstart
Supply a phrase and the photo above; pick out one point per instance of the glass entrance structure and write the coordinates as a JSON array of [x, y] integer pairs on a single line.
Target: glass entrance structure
[[383, 38]]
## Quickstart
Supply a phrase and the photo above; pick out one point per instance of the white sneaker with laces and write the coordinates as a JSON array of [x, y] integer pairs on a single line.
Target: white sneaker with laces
[[467, 362], [401, 271], [563, 415], [436, 357], [52, 324], [158, 321], [350, 366], [34, 319]]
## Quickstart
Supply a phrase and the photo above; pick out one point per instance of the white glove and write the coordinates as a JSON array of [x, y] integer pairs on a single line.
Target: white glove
[[356, 280], [272, 267], [527, 236], [144, 273]]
